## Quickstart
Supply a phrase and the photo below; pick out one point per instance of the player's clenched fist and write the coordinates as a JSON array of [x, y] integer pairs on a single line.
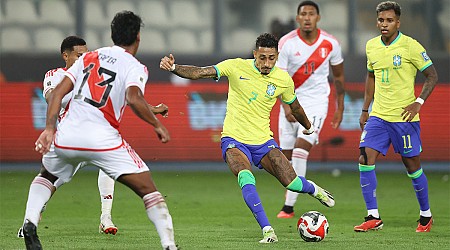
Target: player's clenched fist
[[167, 63]]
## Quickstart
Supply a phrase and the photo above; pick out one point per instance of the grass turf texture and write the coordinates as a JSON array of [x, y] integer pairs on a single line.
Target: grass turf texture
[[209, 213]]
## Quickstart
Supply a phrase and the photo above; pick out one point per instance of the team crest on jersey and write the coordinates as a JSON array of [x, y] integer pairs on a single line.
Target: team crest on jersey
[[49, 83], [271, 89], [425, 56], [323, 52], [397, 60]]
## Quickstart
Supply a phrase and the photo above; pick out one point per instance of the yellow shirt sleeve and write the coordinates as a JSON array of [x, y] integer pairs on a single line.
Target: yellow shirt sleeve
[[419, 57]]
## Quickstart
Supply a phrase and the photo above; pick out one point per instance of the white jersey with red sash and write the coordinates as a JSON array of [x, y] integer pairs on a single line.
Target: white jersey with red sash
[[52, 78], [98, 101], [308, 65]]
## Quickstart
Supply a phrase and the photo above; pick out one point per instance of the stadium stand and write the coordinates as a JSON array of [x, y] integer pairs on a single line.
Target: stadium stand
[[160, 16], [153, 41], [115, 6], [56, 13], [240, 41], [187, 13], [93, 39], [95, 14], [15, 39], [45, 38], [183, 41], [272, 10], [21, 12]]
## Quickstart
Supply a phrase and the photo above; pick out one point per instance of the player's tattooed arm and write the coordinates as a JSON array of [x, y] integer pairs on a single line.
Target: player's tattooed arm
[[410, 111], [299, 114], [431, 80], [194, 72], [187, 71]]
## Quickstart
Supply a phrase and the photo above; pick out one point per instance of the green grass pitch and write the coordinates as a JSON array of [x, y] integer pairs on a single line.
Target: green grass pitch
[[209, 213]]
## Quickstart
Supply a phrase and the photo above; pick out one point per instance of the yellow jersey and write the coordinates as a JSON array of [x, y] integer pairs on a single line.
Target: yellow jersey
[[251, 97], [395, 67]]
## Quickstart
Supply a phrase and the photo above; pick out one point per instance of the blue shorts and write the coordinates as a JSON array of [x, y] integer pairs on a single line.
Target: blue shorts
[[378, 134], [254, 153]]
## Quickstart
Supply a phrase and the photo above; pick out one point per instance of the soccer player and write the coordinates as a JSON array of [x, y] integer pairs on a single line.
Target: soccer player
[[103, 82], [73, 47], [306, 54], [254, 85], [392, 63]]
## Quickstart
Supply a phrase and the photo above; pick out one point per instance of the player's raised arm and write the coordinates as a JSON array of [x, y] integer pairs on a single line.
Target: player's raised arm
[[300, 116], [187, 71]]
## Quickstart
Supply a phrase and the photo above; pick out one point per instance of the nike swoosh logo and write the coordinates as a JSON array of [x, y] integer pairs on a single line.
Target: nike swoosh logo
[[418, 190], [243, 78], [407, 151], [259, 203], [271, 146], [374, 63], [365, 185]]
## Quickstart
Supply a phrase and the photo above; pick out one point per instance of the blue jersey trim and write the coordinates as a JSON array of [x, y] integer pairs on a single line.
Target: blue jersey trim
[[291, 100], [217, 78], [426, 66]]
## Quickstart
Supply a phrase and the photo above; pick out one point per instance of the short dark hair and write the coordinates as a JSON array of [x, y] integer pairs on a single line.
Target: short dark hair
[[267, 40], [69, 42], [315, 5], [125, 27], [389, 5]]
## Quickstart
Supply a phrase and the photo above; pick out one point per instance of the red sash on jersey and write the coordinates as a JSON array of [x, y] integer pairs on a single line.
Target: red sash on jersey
[[98, 91], [317, 57]]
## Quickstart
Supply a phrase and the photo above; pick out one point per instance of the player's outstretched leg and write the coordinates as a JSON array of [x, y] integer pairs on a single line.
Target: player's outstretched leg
[[299, 160], [301, 185], [106, 190], [368, 181], [247, 183]]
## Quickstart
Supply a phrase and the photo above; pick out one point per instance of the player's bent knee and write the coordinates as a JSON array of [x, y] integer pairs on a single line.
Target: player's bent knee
[[47, 175], [246, 177]]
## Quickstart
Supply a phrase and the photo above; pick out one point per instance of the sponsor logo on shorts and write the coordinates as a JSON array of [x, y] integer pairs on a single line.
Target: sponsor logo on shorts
[[407, 151]]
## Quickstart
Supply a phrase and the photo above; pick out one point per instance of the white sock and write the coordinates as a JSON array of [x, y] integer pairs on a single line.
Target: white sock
[[266, 228], [373, 212], [158, 213], [106, 190], [299, 159], [40, 192], [425, 213]]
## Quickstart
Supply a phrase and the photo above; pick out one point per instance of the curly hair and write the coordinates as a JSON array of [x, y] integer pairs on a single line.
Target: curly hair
[[69, 42], [267, 40], [125, 27], [389, 5]]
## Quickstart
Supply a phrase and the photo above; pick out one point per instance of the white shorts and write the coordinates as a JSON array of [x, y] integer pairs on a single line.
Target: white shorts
[[63, 163], [288, 132], [51, 154]]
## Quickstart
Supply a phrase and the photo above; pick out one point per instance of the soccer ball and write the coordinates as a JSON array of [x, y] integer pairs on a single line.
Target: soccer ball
[[312, 226]]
